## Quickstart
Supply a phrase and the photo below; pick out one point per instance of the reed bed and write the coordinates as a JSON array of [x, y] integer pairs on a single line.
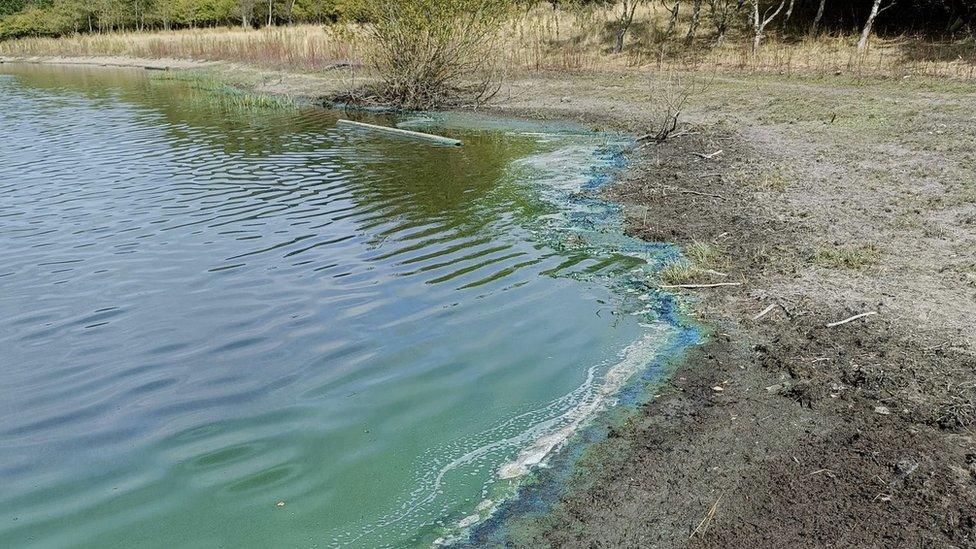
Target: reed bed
[[541, 39], [302, 48], [214, 92]]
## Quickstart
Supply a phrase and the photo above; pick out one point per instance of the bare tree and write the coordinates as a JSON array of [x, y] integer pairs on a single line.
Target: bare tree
[[876, 10], [722, 12], [759, 22], [789, 12], [270, 12], [673, 18], [623, 24], [247, 10], [668, 103], [815, 26], [695, 19], [289, 9]]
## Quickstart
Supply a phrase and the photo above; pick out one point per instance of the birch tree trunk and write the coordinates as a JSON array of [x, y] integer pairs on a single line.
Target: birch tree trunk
[[876, 9], [289, 8], [695, 19], [759, 22], [815, 26], [247, 10], [788, 14]]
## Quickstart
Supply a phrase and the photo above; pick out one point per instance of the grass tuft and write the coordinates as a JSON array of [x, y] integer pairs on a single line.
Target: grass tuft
[[217, 94], [696, 265], [842, 257], [680, 272]]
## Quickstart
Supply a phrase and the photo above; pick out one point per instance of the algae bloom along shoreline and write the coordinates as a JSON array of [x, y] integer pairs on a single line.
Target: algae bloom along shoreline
[[235, 323]]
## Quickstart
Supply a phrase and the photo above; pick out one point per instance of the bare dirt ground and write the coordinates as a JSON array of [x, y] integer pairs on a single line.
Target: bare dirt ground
[[830, 198], [116, 62]]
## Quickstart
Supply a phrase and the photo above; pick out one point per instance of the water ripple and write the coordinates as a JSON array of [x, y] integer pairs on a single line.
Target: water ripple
[[206, 311]]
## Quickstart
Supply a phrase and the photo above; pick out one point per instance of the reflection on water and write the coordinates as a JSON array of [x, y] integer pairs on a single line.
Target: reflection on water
[[250, 328]]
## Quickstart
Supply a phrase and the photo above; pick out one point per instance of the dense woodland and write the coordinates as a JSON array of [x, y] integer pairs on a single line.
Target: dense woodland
[[937, 18]]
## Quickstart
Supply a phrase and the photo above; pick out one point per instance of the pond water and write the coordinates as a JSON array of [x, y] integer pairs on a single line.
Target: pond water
[[233, 325]]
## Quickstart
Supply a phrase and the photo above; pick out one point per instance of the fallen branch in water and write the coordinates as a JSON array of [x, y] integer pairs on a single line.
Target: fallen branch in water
[[851, 319], [697, 286], [401, 132]]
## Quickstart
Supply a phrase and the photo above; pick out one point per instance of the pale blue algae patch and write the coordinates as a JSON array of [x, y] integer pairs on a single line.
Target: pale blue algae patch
[[570, 174]]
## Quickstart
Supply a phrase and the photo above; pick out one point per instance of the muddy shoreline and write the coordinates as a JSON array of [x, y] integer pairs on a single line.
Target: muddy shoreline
[[827, 200], [778, 431]]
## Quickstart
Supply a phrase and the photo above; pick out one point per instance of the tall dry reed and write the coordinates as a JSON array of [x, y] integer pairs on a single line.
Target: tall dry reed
[[543, 39]]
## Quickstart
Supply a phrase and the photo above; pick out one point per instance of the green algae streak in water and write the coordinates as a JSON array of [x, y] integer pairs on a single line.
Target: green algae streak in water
[[246, 327]]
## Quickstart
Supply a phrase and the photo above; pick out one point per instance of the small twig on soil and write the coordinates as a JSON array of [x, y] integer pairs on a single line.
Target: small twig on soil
[[705, 522], [689, 191], [765, 312], [828, 472], [692, 286], [709, 156], [851, 319], [682, 133]]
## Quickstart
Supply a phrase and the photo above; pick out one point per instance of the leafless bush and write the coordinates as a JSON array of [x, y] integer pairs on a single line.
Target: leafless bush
[[435, 53], [670, 100]]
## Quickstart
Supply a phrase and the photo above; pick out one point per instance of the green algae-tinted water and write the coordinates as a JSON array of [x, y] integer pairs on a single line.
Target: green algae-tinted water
[[207, 311]]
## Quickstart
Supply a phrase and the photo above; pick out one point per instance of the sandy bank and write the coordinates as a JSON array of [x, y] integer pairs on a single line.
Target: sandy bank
[[116, 62]]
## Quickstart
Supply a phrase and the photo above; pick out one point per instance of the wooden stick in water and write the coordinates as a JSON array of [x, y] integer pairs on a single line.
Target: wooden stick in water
[[404, 133]]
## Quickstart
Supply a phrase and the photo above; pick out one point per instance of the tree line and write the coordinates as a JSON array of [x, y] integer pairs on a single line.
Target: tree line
[[60, 17], [758, 17], [797, 18]]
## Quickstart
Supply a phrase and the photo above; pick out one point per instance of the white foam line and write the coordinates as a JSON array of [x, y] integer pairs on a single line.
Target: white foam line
[[634, 358], [473, 455], [541, 439]]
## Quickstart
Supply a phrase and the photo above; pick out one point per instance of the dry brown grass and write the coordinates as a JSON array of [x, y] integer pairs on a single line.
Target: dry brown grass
[[697, 265], [298, 48], [541, 39]]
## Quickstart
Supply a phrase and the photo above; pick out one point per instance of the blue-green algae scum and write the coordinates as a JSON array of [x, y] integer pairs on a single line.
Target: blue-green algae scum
[[241, 326]]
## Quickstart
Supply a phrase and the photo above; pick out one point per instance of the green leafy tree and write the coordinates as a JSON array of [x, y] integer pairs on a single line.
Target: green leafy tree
[[8, 7]]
